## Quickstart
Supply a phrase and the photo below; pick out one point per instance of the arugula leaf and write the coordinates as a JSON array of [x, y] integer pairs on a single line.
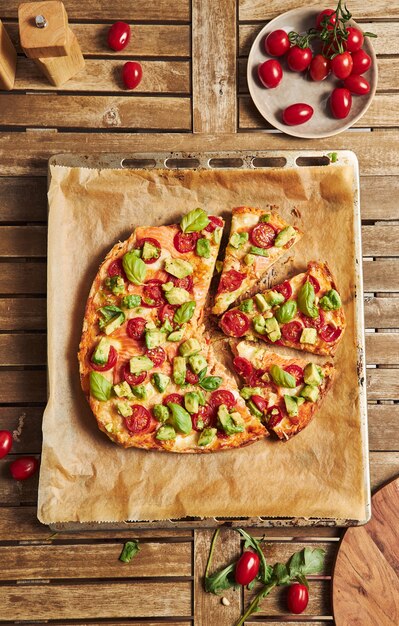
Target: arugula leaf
[[135, 268], [100, 387], [130, 549], [184, 313], [281, 574], [194, 221], [224, 579], [210, 383]]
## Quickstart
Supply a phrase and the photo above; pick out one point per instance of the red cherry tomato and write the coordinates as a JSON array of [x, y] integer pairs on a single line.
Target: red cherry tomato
[[243, 367], [140, 421], [297, 114], [234, 323], [277, 43], [135, 327], [285, 289], [140, 243], [222, 396], [329, 333], [340, 102], [292, 331], [153, 295], [5, 442], [260, 403], [297, 598], [191, 378], [270, 73], [357, 85], [328, 17], [230, 281], [119, 36], [313, 322], [341, 65], [133, 379], [262, 235], [156, 355], [247, 567], [116, 268], [184, 283], [296, 372], [185, 242], [176, 398], [319, 67], [214, 223], [355, 39], [132, 74], [111, 362], [299, 59], [361, 62], [206, 414], [166, 312], [274, 416], [314, 282], [24, 467]]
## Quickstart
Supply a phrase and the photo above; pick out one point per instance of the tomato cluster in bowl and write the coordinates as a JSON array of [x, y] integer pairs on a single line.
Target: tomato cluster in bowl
[[338, 53]]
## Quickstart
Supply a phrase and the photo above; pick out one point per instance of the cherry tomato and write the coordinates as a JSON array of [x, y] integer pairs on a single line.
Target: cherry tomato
[[243, 367], [132, 73], [119, 36], [319, 67], [24, 467], [5, 442], [361, 62], [135, 327], [133, 379], [313, 322], [153, 296], [247, 567], [299, 59], [230, 281], [184, 283], [222, 396], [340, 102], [176, 398], [206, 414], [296, 371], [274, 416], [234, 323], [111, 362], [341, 65], [262, 235], [357, 85], [355, 39], [277, 43], [285, 289], [329, 333], [323, 17], [156, 355], [214, 223], [292, 331], [191, 378], [155, 243], [260, 403], [185, 242], [166, 312], [140, 421], [297, 598], [297, 114], [116, 268], [270, 73], [314, 282]]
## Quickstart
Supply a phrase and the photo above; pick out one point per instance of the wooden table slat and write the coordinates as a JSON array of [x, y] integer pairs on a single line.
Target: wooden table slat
[[276, 604], [251, 10], [23, 314]]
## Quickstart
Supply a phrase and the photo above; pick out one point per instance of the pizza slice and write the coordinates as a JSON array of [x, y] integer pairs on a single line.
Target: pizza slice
[[258, 238], [283, 392], [175, 399], [304, 313]]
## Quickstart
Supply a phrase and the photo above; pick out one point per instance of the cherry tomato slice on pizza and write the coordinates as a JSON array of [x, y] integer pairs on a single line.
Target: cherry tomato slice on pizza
[[133, 379], [262, 235], [285, 289], [292, 331], [313, 322], [176, 398], [329, 333], [214, 223], [243, 367], [260, 403], [230, 281], [191, 377], [135, 328], [184, 283], [140, 243], [185, 242], [314, 282], [140, 421], [112, 359], [222, 396], [157, 355], [296, 371], [234, 323], [206, 415], [116, 269], [166, 312], [275, 415], [153, 296]]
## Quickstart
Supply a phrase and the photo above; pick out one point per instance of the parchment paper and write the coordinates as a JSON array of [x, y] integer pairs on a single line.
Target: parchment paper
[[84, 476]]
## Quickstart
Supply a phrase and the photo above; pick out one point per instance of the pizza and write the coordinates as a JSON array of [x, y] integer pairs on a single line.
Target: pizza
[[283, 392], [258, 238], [146, 366], [304, 312]]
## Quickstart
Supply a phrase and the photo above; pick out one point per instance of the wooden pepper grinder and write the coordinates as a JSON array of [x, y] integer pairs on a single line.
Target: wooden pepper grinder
[[47, 39], [8, 60]]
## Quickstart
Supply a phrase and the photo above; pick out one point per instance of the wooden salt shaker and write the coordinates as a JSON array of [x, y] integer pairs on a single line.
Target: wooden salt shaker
[[8, 60], [47, 39]]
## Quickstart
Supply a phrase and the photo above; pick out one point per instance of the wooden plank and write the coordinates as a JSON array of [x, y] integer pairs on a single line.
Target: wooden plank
[[383, 112], [26, 426], [387, 41], [159, 77], [381, 275], [99, 112], [25, 386], [383, 426], [383, 384], [378, 197], [383, 467], [381, 312], [255, 10], [388, 75], [23, 241], [27, 278], [25, 349], [95, 601], [23, 199], [94, 561], [380, 240], [162, 10], [147, 40], [207, 607], [16, 492], [214, 66], [378, 152], [382, 348], [22, 314], [275, 604]]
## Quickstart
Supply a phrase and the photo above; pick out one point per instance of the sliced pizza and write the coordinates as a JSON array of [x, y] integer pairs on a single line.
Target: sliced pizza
[[283, 392], [258, 238], [304, 313]]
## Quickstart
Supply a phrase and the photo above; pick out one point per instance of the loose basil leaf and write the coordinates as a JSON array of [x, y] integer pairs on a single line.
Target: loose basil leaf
[[194, 221], [130, 549], [221, 580], [286, 312], [184, 313], [331, 301], [306, 300], [180, 418], [282, 378], [210, 383], [135, 268], [100, 387]]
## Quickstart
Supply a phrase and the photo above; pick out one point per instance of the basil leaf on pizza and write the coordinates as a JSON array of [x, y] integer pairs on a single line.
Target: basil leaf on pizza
[[194, 221], [100, 387], [210, 383], [282, 378], [180, 418], [135, 268], [306, 300], [184, 313]]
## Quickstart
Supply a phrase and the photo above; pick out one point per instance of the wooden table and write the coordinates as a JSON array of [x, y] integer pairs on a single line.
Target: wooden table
[[193, 97]]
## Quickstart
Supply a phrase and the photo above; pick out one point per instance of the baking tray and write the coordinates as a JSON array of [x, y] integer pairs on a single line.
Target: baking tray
[[246, 160]]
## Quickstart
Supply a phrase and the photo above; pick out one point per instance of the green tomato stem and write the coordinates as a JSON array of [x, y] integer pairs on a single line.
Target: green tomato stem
[[211, 551], [255, 602]]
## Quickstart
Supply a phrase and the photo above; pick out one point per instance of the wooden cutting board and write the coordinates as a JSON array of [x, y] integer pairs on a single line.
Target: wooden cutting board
[[366, 574]]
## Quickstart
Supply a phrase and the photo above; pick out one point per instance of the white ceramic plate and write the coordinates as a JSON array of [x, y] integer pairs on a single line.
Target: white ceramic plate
[[298, 86]]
